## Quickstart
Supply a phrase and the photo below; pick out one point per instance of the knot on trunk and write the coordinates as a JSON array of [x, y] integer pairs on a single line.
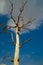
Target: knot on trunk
[[18, 60]]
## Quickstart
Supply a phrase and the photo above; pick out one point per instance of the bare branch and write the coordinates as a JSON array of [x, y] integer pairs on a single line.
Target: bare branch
[[26, 28], [25, 42], [9, 27], [12, 12], [8, 56], [12, 38], [28, 23], [6, 27], [11, 59], [24, 25], [21, 10]]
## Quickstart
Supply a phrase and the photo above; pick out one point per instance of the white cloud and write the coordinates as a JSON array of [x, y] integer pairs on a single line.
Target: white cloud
[[2, 5]]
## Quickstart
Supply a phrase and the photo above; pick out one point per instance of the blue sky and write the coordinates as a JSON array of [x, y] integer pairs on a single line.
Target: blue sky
[[32, 52]]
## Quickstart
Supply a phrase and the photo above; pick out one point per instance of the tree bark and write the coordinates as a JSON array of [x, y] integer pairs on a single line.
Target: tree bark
[[16, 55]]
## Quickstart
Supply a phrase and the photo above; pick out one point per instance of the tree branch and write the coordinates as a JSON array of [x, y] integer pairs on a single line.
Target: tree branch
[[8, 56], [11, 59], [25, 42], [25, 24], [6, 27], [12, 12], [28, 23], [21, 10], [12, 38]]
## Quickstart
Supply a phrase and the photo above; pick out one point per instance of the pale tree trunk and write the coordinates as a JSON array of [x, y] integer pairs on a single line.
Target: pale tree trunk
[[16, 55]]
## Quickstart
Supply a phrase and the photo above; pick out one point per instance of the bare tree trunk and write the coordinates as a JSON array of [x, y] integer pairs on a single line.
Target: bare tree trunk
[[16, 55]]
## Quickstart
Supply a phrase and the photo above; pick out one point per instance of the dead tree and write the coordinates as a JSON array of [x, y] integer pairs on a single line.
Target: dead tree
[[18, 28]]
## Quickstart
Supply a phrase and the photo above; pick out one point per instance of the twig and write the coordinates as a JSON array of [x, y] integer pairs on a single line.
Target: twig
[[25, 42]]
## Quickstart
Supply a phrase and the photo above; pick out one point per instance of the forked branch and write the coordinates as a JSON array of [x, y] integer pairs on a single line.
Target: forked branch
[[21, 10], [28, 23], [24, 25]]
